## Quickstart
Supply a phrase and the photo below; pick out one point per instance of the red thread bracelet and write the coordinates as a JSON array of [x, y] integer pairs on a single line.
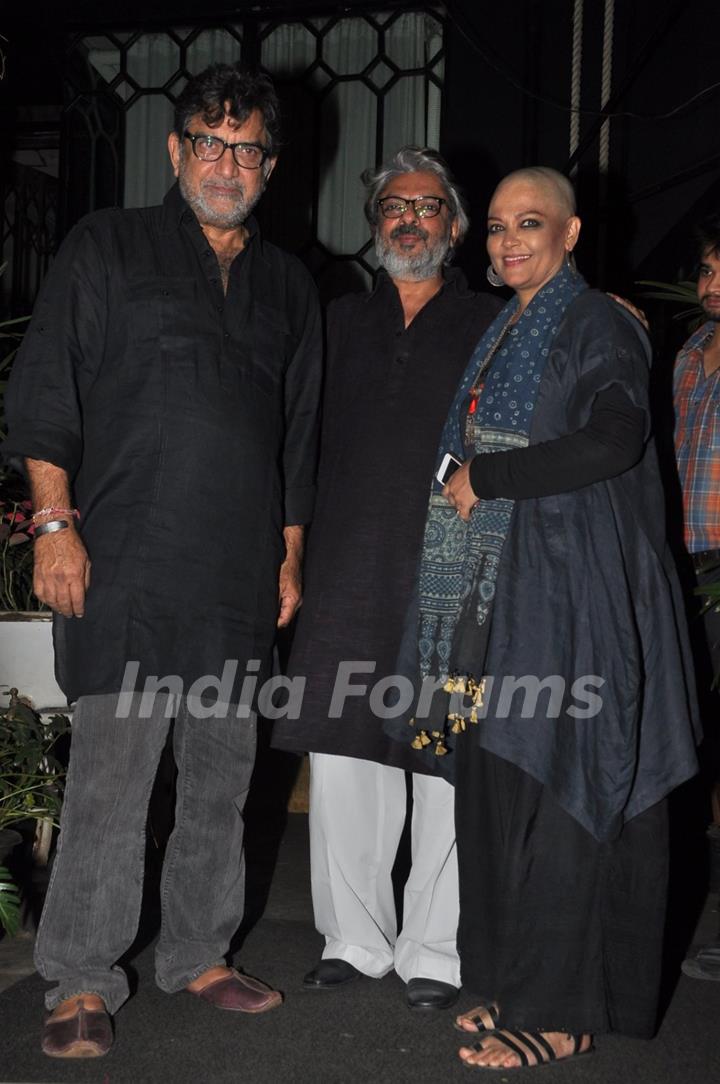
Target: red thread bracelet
[[56, 512]]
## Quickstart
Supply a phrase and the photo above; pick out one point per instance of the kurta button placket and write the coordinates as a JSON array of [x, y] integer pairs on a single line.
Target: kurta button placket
[[167, 399], [379, 399]]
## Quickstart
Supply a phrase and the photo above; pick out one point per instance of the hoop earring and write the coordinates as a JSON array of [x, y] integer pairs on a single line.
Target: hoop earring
[[493, 277], [570, 261]]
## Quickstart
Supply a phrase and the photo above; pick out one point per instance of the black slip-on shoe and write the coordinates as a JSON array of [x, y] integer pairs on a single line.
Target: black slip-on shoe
[[430, 994], [329, 974]]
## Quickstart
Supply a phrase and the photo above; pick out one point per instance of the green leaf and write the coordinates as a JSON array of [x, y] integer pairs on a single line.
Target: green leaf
[[677, 293], [9, 903]]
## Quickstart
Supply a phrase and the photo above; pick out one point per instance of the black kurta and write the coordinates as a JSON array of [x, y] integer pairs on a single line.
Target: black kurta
[[387, 395], [186, 420]]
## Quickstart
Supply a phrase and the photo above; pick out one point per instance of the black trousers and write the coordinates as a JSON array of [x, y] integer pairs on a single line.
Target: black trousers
[[563, 932]]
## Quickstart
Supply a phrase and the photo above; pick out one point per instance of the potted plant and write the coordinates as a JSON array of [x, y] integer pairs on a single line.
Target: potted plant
[[26, 646], [16, 563], [31, 784], [676, 293]]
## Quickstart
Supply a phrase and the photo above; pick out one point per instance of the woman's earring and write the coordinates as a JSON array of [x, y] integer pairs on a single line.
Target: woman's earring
[[493, 277], [570, 261]]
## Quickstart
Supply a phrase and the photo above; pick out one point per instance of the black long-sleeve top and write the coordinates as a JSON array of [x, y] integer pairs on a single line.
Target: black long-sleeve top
[[611, 442]]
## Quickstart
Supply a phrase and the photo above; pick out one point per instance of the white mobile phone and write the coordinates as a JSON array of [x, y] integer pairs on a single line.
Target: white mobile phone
[[447, 468]]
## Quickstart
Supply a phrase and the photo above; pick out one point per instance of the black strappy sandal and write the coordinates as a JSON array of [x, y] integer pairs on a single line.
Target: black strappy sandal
[[484, 1017], [531, 1047]]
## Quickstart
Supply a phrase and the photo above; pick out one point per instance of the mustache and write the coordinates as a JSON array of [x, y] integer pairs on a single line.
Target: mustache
[[413, 230], [236, 186]]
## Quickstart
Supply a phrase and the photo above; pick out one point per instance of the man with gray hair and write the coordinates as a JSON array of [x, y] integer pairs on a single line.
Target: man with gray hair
[[169, 387], [394, 358]]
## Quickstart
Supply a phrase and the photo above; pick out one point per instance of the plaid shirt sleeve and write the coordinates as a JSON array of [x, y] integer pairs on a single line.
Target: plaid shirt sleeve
[[697, 442]]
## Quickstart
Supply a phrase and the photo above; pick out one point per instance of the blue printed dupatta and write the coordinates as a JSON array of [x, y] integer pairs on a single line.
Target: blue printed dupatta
[[446, 635]]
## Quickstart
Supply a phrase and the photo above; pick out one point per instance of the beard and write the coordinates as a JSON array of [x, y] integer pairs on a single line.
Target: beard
[[710, 313], [208, 214], [412, 266]]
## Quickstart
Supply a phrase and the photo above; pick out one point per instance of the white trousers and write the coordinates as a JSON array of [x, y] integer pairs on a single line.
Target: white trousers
[[357, 814]]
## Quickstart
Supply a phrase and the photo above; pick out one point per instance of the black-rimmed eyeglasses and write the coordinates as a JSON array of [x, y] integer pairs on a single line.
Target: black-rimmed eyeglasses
[[209, 148], [423, 206]]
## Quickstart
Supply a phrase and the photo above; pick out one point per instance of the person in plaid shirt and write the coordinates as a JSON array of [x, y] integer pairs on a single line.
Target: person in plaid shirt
[[696, 394]]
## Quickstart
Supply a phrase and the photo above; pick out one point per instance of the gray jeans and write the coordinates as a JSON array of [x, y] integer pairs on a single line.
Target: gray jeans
[[93, 903]]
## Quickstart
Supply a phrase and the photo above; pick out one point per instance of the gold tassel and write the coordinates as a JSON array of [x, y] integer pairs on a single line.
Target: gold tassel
[[455, 684], [458, 723], [420, 741], [440, 749], [478, 694]]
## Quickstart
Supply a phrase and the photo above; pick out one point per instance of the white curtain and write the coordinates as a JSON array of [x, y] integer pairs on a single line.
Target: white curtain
[[349, 116], [152, 60], [351, 112]]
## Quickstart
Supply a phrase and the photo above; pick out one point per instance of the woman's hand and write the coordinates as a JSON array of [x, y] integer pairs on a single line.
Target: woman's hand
[[459, 493]]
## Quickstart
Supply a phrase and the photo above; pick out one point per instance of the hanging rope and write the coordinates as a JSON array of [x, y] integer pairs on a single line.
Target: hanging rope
[[606, 83], [576, 78]]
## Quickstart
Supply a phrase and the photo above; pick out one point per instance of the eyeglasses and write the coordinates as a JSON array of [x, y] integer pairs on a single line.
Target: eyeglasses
[[209, 148], [423, 206]]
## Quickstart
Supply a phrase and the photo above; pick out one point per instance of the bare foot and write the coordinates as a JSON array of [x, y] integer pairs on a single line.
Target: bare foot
[[211, 975], [69, 1007], [513, 1049], [482, 1018]]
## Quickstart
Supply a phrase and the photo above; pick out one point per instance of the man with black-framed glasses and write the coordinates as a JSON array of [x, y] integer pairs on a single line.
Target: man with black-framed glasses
[[394, 358], [165, 404]]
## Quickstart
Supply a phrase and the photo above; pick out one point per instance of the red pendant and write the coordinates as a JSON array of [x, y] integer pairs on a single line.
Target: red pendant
[[474, 396]]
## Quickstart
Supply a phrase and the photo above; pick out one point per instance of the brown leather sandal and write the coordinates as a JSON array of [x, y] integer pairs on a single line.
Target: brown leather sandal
[[239, 993], [86, 1034]]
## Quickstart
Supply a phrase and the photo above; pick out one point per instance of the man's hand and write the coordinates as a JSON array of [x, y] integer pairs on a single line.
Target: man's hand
[[459, 493], [290, 578], [62, 567], [637, 313], [290, 592], [62, 572]]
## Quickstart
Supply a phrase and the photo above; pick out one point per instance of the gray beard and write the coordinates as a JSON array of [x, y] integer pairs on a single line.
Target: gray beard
[[414, 267], [210, 216]]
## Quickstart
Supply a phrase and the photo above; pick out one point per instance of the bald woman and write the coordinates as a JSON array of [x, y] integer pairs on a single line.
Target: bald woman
[[549, 605]]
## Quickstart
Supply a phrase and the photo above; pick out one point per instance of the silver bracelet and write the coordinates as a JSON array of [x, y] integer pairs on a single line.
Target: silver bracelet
[[51, 526]]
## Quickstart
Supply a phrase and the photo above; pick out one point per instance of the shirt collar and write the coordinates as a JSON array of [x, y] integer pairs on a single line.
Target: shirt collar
[[699, 339]]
